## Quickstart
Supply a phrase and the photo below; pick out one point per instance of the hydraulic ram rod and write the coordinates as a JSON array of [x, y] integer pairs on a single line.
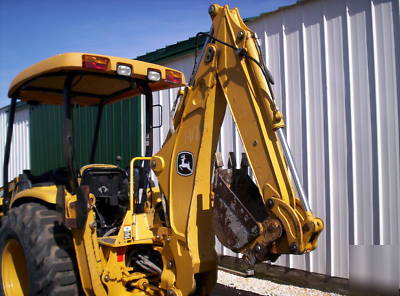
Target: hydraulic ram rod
[[293, 171]]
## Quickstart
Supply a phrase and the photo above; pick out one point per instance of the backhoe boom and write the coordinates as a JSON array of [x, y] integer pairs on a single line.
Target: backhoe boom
[[230, 74], [112, 230]]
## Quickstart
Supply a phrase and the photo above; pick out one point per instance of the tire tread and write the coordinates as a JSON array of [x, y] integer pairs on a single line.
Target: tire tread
[[48, 249]]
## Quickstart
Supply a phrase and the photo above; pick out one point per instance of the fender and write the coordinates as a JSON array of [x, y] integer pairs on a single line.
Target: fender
[[47, 194]]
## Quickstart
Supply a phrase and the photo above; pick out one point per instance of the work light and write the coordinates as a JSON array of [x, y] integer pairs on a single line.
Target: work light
[[153, 75], [124, 70]]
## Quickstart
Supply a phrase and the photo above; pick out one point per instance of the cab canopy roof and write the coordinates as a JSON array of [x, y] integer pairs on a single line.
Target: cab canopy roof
[[95, 79]]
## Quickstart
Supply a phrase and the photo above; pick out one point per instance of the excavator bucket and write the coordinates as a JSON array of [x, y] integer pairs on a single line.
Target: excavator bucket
[[239, 214]]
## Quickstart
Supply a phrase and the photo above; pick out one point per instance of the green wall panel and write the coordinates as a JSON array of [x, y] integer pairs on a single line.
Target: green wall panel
[[120, 134]]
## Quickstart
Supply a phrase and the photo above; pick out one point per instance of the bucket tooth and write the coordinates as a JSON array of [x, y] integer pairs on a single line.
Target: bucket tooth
[[244, 164], [219, 163], [232, 160]]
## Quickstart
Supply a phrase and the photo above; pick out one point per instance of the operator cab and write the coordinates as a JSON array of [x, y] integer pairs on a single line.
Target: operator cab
[[80, 79]]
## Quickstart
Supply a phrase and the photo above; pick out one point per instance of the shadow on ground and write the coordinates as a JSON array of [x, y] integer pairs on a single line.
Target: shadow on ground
[[221, 290]]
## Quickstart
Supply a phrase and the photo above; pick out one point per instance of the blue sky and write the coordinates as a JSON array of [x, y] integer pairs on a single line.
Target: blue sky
[[34, 30]]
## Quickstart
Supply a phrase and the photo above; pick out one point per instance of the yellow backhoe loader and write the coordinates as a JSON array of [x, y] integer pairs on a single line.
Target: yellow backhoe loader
[[103, 230]]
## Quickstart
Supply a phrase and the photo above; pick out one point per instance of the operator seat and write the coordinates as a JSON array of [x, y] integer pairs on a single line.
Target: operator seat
[[110, 185]]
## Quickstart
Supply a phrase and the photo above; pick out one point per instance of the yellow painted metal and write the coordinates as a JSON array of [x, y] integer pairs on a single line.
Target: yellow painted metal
[[192, 239], [38, 76], [100, 270], [230, 80], [47, 194], [186, 239], [14, 272], [90, 266], [116, 275], [1, 205], [142, 225], [96, 165]]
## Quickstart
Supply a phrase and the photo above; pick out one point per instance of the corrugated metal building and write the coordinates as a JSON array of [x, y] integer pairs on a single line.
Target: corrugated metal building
[[336, 65], [336, 68], [120, 135], [37, 136]]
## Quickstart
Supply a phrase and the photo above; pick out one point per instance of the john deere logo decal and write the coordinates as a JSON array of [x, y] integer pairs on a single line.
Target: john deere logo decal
[[184, 163]]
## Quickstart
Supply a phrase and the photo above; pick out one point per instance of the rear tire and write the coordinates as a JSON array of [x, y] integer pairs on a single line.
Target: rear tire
[[47, 247]]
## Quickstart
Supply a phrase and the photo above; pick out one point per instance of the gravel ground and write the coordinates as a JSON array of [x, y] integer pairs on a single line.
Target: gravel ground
[[261, 287]]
